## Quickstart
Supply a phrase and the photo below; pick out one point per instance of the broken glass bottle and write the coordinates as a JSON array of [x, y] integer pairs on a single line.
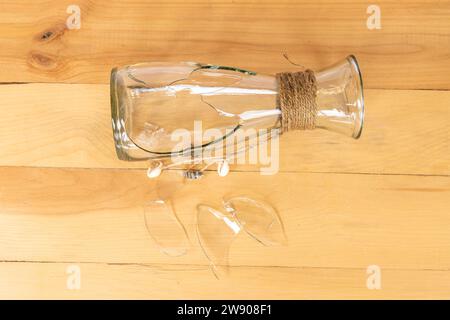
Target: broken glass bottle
[[183, 110]]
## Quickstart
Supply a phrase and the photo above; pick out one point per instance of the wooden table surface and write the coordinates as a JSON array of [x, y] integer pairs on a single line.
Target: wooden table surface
[[66, 200]]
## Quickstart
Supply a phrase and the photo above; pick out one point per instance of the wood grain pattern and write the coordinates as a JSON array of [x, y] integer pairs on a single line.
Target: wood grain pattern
[[68, 125], [410, 51], [109, 281], [384, 199], [338, 220]]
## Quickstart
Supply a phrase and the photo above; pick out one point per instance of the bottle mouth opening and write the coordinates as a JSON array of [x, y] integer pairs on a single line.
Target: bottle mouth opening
[[359, 96]]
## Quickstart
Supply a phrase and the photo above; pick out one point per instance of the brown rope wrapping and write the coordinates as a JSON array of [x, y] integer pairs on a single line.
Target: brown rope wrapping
[[297, 100]]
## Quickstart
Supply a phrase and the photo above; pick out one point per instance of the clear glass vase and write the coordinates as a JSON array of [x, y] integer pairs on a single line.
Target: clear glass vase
[[152, 103]]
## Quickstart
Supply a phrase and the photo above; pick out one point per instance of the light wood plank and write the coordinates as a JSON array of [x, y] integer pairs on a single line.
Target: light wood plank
[[331, 220], [61, 125], [100, 281], [409, 51]]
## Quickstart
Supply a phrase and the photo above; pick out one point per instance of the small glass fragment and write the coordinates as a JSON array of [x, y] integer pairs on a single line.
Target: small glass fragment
[[154, 169], [223, 168], [258, 218], [164, 227]]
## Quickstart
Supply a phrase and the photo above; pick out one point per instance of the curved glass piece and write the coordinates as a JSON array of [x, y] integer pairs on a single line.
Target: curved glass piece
[[258, 218], [216, 230], [164, 227], [155, 168], [223, 168]]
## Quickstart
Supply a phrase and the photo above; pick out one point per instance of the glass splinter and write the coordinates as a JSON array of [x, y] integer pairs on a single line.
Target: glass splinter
[[258, 218], [154, 170], [216, 231], [223, 168], [164, 227]]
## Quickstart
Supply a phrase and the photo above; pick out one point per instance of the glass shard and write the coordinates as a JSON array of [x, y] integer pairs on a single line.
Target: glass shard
[[223, 168], [258, 218], [216, 231], [164, 227], [154, 169]]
